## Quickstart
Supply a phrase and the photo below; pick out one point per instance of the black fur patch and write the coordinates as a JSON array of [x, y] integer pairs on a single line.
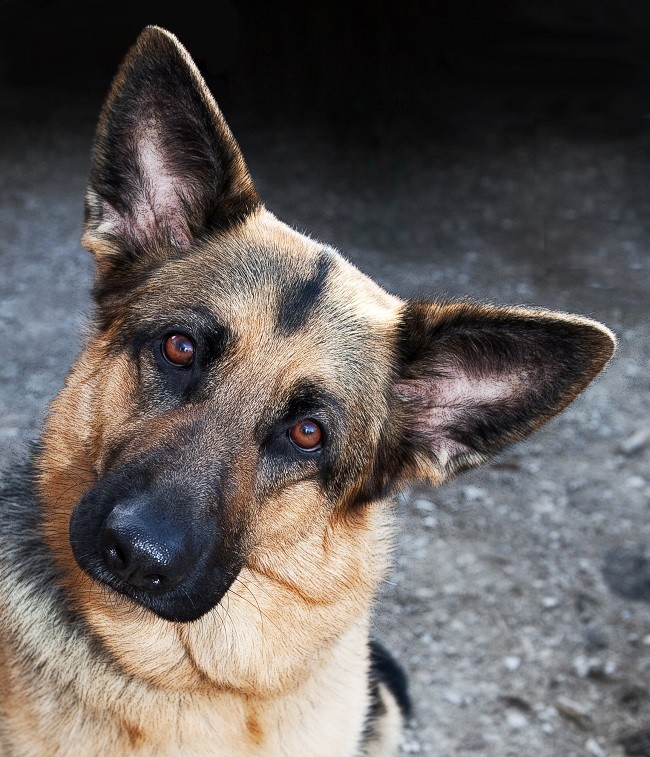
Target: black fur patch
[[384, 669], [301, 299]]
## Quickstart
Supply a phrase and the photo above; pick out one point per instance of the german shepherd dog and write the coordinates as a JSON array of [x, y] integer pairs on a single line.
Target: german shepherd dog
[[191, 566]]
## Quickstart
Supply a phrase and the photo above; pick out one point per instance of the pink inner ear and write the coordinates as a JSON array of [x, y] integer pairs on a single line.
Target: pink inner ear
[[456, 388], [444, 400], [159, 212]]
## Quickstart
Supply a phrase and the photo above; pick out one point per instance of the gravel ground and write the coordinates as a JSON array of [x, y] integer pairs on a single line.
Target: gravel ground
[[519, 600]]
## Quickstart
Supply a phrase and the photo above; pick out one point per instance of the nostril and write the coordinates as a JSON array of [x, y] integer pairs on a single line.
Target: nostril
[[114, 558], [152, 581]]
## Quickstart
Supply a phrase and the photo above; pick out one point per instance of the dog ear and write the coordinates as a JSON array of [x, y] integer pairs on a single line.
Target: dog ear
[[165, 166], [474, 378]]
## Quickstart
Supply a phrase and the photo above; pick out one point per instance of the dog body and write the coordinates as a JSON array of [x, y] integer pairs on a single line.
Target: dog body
[[190, 567]]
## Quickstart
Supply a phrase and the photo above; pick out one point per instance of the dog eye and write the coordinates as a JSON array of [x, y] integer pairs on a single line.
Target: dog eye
[[307, 435], [178, 349]]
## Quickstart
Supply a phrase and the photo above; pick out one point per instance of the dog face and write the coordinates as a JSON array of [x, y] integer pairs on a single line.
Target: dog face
[[243, 371], [250, 399]]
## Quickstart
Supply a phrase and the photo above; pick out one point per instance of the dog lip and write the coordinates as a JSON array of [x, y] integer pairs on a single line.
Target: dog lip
[[175, 605]]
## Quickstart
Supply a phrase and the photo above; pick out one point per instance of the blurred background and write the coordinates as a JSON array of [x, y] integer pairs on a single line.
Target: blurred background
[[587, 63], [498, 150]]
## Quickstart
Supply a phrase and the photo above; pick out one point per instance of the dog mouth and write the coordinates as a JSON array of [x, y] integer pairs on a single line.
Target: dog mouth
[[141, 544], [185, 603]]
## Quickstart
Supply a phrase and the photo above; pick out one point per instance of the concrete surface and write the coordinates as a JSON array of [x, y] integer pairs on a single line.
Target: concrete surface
[[519, 598]]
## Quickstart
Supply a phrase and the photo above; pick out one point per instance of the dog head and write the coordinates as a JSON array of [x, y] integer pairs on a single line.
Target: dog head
[[249, 399]]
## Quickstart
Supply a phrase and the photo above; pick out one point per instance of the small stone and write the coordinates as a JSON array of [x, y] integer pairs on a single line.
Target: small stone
[[453, 697], [636, 482], [431, 521], [512, 663], [594, 639], [585, 603], [593, 747], [550, 602], [473, 493], [633, 697], [635, 443], [410, 746], [545, 713], [584, 666], [609, 669], [424, 505], [519, 703], [593, 667], [473, 744], [575, 484], [626, 571], [548, 729], [516, 720], [574, 712]]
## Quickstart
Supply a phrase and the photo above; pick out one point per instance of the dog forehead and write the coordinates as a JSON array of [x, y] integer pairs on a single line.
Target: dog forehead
[[268, 284]]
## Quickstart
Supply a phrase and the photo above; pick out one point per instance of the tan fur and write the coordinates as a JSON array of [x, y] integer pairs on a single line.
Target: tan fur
[[126, 717]]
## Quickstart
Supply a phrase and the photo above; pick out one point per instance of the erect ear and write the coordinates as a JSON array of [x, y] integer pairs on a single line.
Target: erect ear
[[474, 378], [165, 166]]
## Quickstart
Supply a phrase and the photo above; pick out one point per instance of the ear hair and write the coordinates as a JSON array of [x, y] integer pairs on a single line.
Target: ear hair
[[166, 168], [474, 378]]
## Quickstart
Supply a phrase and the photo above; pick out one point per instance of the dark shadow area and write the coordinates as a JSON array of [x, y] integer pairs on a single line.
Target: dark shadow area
[[440, 64]]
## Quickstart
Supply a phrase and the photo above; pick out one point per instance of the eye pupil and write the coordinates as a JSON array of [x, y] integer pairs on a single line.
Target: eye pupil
[[178, 349], [307, 435]]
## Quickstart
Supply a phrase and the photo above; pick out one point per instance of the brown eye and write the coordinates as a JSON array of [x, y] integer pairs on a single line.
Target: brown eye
[[307, 435], [178, 349]]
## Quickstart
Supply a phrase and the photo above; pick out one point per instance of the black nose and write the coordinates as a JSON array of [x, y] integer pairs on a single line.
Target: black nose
[[149, 552]]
